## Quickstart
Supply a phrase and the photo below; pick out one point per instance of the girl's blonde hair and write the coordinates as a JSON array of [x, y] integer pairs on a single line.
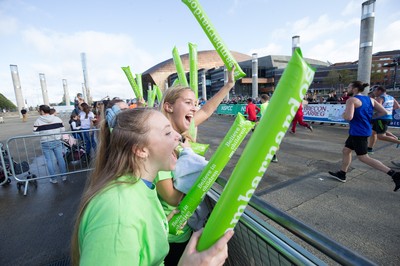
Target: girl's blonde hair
[[170, 96], [114, 158]]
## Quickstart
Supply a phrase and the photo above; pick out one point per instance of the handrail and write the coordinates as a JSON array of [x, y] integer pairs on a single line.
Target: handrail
[[288, 248], [326, 245]]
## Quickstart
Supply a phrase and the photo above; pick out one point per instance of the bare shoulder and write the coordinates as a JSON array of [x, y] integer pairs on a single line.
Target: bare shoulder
[[353, 100]]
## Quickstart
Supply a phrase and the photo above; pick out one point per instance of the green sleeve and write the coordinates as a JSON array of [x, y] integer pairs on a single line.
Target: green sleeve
[[111, 245], [162, 175]]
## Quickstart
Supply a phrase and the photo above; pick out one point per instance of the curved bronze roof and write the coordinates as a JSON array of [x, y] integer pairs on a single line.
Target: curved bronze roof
[[159, 73]]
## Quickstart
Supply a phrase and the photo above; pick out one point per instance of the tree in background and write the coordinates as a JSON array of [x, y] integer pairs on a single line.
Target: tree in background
[[377, 75], [339, 79], [6, 104], [332, 79]]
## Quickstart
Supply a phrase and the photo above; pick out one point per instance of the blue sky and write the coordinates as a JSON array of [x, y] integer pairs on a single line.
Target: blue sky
[[47, 36]]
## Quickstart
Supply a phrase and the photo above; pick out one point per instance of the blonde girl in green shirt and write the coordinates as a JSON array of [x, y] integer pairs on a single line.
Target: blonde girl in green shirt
[[179, 105], [120, 219]]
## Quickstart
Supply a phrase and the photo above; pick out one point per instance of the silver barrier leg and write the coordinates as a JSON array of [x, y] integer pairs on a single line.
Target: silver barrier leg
[[26, 187]]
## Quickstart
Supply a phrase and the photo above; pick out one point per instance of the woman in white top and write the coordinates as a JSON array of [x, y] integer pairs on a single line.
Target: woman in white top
[[87, 118]]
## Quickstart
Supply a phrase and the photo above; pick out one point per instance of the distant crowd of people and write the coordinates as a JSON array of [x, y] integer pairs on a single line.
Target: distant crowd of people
[[312, 98]]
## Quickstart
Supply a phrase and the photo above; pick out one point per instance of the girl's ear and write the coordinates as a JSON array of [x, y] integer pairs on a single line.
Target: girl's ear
[[140, 152], [168, 107]]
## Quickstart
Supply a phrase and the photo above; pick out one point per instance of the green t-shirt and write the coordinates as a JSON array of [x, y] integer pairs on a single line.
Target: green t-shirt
[[263, 108], [162, 175], [124, 225]]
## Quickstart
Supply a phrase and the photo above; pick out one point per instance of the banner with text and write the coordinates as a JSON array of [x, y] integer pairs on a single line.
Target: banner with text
[[327, 113]]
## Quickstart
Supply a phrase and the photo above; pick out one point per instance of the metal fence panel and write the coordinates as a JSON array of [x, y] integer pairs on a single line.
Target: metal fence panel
[[25, 159]]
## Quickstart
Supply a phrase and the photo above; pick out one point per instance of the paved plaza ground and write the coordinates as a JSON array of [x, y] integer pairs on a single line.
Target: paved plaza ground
[[361, 214]]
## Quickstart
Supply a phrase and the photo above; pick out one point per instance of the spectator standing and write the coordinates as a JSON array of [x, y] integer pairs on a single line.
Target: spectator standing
[[24, 114], [345, 97], [75, 124], [133, 104], [50, 124], [87, 118], [310, 97], [77, 103], [53, 111], [264, 104], [359, 112], [332, 97], [113, 108]]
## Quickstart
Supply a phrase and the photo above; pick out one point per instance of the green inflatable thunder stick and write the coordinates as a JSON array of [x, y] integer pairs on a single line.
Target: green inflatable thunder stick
[[158, 92], [194, 78], [132, 81], [214, 37], [210, 173], [179, 67], [259, 151], [139, 84]]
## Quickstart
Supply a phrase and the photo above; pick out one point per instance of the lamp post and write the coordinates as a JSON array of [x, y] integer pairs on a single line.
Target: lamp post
[[366, 42], [17, 88], [295, 42], [396, 63]]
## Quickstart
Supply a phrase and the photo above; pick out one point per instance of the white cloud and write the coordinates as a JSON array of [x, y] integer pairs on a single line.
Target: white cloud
[[323, 27], [270, 49], [232, 9], [323, 38], [388, 39], [329, 50], [58, 57], [352, 8], [8, 25]]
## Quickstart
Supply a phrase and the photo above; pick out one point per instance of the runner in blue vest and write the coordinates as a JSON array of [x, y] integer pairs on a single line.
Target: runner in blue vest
[[359, 112]]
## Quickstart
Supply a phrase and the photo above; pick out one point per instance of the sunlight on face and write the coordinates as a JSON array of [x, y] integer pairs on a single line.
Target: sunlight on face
[[184, 110], [163, 140]]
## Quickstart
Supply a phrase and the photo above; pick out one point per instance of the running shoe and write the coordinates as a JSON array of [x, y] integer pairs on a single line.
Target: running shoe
[[338, 176], [396, 180], [53, 181]]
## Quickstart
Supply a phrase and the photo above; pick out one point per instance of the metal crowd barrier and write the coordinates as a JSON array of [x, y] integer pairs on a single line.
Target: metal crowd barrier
[[23, 158], [257, 242], [4, 168]]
